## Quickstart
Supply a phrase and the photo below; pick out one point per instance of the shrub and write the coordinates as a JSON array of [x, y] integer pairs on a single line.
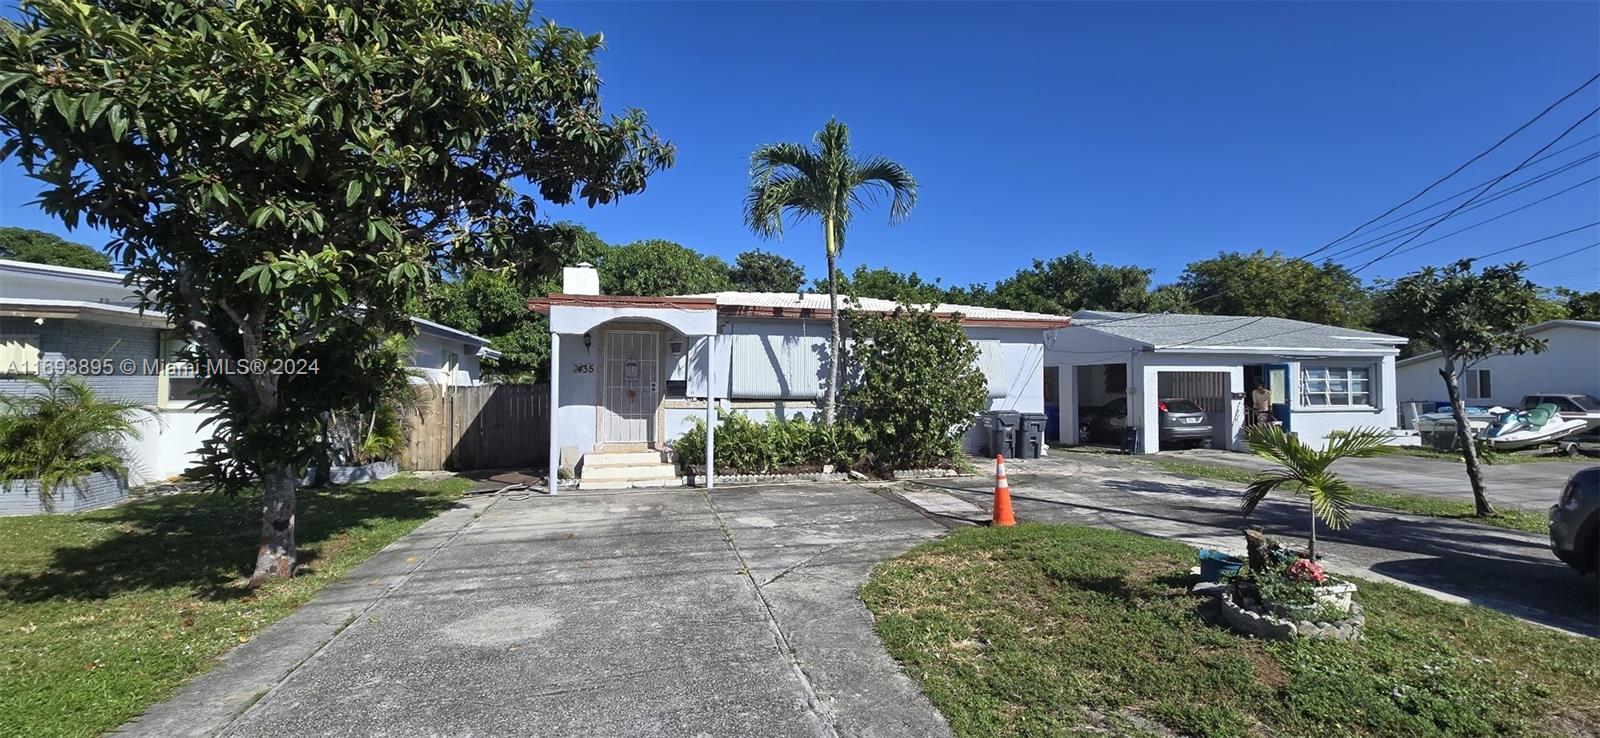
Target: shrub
[[754, 447], [62, 433], [918, 387]]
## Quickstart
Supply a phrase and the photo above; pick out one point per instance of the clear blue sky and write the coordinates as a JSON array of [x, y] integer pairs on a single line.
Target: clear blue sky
[[1142, 133]]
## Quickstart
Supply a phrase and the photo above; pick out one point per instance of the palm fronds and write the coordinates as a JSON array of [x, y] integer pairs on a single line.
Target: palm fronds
[[62, 431], [1305, 470]]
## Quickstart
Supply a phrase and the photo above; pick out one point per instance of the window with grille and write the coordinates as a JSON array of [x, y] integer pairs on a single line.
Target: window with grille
[[1336, 386]]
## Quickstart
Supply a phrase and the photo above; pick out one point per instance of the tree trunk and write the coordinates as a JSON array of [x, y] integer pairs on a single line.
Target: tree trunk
[[829, 408], [1312, 550], [1469, 450], [275, 557]]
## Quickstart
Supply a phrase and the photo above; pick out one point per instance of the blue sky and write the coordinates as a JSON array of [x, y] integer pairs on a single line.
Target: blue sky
[[1143, 133]]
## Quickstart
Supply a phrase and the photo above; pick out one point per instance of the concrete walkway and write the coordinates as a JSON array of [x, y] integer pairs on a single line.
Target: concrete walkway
[[1505, 570], [662, 613], [1529, 486]]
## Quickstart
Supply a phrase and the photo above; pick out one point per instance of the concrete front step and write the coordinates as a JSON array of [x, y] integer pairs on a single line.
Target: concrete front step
[[625, 458], [629, 484], [625, 473]]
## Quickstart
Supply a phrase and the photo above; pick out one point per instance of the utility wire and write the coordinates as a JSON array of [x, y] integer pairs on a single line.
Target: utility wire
[[1469, 201], [1441, 201], [1458, 169], [1486, 221], [1534, 241], [1391, 236], [1563, 256]]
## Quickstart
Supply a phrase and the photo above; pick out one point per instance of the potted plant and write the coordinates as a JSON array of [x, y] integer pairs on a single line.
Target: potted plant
[[64, 435]]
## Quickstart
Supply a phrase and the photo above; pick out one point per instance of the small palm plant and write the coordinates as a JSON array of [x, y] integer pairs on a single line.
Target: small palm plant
[[63, 432], [1305, 471]]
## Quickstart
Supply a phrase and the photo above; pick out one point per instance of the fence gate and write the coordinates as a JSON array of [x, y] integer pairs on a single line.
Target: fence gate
[[491, 426]]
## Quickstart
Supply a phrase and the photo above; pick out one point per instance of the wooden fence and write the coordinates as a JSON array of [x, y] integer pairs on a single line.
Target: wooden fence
[[492, 426]]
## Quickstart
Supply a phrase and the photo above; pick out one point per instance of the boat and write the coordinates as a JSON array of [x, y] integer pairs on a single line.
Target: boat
[[1528, 428], [1443, 421]]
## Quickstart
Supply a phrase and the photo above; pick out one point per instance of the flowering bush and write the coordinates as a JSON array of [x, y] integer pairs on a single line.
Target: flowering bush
[[1306, 570]]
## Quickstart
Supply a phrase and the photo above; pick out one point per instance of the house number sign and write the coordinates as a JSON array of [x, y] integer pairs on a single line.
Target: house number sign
[[582, 368]]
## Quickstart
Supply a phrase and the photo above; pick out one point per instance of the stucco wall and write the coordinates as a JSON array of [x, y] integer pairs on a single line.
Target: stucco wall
[[83, 340], [1570, 365]]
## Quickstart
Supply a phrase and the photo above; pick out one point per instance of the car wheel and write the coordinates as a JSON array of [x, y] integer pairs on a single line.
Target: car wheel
[[1085, 432], [1203, 443]]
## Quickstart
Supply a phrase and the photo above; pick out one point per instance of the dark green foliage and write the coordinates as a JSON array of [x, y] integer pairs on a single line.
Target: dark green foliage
[[61, 431], [918, 387], [1275, 285], [1580, 305], [657, 267], [1067, 284], [38, 247], [489, 303], [886, 284], [776, 445], [379, 414], [764, 271]]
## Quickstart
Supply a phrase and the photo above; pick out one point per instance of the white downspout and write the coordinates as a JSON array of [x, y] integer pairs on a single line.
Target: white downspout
[[555, 410]]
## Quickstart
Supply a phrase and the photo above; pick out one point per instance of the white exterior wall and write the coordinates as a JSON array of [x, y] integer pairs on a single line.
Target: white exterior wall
[[41, 282], [430, 352], [1570, 365], [1071, 347]]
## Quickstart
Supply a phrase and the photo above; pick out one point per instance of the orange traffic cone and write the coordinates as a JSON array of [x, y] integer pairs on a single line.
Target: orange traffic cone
[[1002, 494]]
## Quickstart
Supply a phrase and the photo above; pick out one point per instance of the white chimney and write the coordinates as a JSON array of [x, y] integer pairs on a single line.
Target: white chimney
[[582, 279]]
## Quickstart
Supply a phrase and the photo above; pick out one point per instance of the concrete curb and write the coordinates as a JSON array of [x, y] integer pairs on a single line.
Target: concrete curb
[[209, 703]]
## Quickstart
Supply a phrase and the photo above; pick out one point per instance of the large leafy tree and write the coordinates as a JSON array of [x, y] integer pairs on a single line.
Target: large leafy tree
[[887, 284], [829, 183], [1580, 305], [1466, 316], [38, 247], [1259, 283], [1066, 284], [283, 177], [764, 271], [657, 267]]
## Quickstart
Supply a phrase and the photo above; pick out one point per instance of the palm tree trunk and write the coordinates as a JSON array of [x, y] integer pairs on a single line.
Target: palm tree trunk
[[1469, 450], [829, 408], [1312, 550]]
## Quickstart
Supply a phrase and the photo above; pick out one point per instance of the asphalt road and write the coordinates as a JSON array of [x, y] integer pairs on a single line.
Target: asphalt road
[[1510, 571]]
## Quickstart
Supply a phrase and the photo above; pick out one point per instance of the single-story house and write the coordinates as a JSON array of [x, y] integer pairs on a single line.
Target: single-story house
[[630, 374], [1322, 378], [54, 316], [1569, 365]]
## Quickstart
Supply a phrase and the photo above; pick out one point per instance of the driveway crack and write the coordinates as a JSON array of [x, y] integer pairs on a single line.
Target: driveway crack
[[779, 638]]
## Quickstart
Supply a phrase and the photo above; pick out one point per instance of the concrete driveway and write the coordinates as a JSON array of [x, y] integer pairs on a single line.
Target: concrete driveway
[[639, 613], [1530, 486], [1505, 570]]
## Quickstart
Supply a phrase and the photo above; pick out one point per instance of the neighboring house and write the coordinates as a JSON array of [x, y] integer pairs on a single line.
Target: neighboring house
[[1322, 378], [630, 373], [87, 322], [1570, 364]]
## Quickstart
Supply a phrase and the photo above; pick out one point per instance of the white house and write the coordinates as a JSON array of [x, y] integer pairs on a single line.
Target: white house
[[1569, 365], [1322, 378], [629, 374], [87, 322]]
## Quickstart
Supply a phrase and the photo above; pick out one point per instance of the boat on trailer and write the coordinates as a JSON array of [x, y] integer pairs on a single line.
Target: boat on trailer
[[1528, 428]]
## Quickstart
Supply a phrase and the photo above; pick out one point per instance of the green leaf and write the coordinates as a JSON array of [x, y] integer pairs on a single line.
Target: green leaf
[[352, 192]]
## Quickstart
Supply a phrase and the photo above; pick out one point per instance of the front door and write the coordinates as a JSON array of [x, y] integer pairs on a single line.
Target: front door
[[631, 390], [1278, 383]]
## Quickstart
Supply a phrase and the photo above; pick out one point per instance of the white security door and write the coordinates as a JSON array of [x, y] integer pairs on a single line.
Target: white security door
[[631, 387]]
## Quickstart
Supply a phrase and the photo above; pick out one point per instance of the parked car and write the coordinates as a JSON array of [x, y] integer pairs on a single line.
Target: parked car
[[1575, 521], [1571, 407], [1181, 422]]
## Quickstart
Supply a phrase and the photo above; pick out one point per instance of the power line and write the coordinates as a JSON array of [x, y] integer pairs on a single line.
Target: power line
[[1534, 241], [1563, 256], [1391, 236], [1469, 201], [1486, 221], [1458, 169], [1441, 201]]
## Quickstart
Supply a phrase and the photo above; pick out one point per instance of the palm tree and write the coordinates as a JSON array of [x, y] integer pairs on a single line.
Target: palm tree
[[824, 181], [1305, 470]]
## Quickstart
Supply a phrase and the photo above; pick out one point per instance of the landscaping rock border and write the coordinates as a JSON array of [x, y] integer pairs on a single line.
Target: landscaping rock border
[[364, 473], [692, 479], [1259, 622]]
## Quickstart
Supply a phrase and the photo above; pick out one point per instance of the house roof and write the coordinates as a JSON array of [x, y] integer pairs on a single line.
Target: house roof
[[1593, 325], [455, 334], [1185, 332], [811, 304], [29, 307]]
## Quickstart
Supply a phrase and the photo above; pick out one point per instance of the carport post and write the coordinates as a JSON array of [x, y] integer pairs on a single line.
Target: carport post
[[711, 418], [555, 410]]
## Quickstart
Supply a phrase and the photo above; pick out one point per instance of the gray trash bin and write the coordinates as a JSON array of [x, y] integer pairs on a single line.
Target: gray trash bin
[[1030, 435], [1003, 432]]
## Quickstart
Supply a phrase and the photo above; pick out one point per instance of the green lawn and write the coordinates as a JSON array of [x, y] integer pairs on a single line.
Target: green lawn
[[1487, 458], [1531, 522], [1048, 630], [105, 613]]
